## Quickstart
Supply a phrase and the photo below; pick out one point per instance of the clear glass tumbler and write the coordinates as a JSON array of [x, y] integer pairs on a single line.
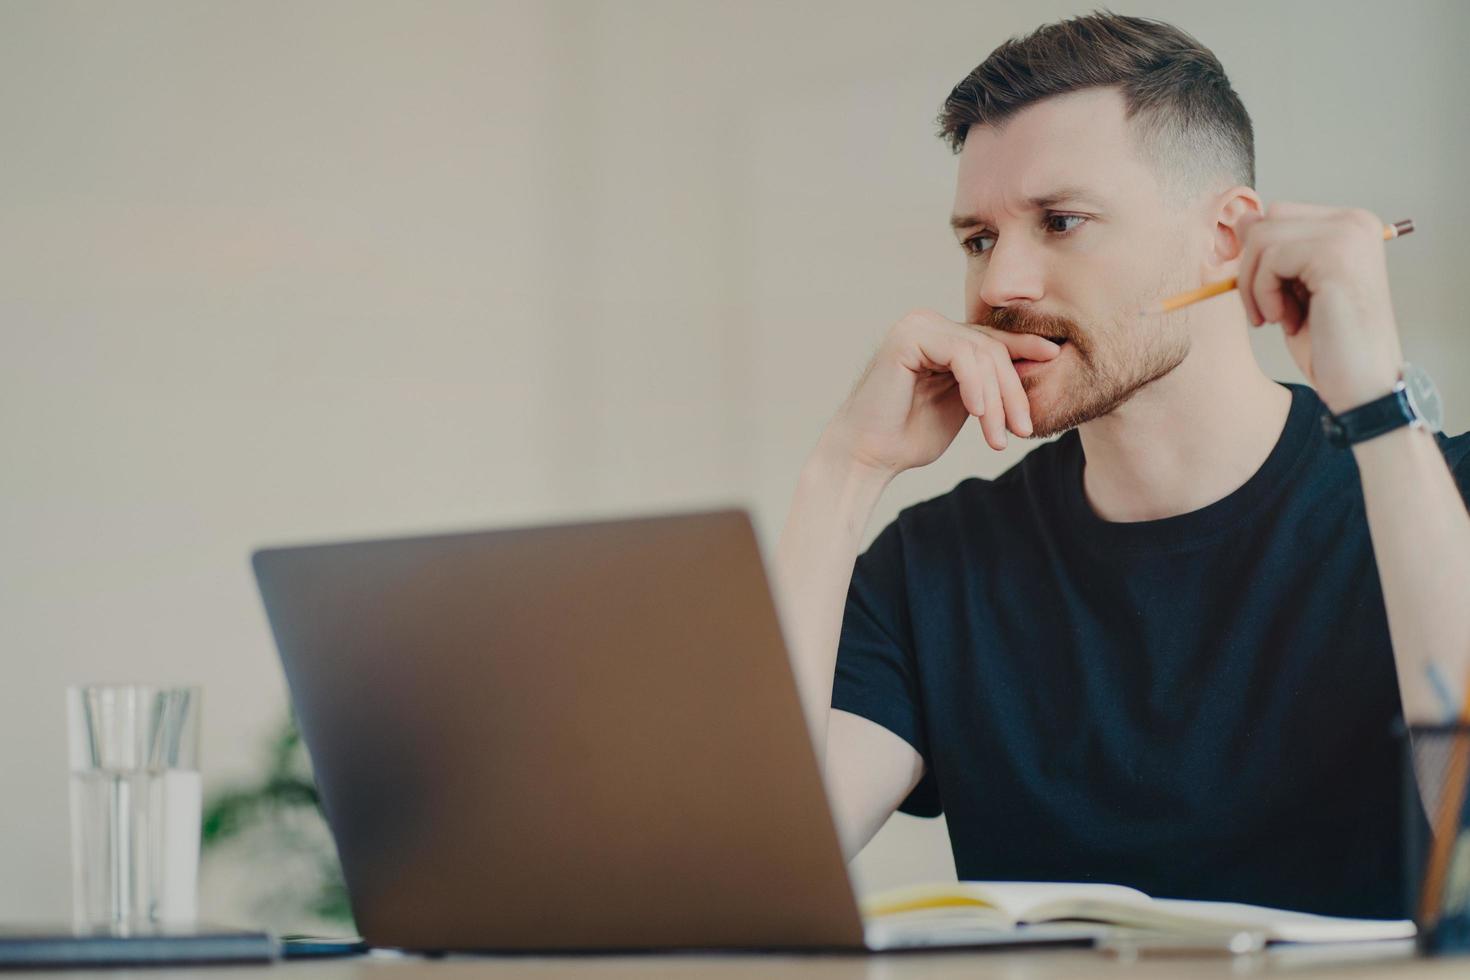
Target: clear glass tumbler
[[135, 804]]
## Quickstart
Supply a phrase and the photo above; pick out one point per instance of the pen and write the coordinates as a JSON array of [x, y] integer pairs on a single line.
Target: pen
[[1446, 827], [1390, 232]]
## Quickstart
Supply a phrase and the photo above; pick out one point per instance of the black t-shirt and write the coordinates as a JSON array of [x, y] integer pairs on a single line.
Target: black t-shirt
[[1199, 706]]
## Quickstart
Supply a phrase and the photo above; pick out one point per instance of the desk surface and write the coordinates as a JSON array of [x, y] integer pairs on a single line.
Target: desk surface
[[1069, 964]]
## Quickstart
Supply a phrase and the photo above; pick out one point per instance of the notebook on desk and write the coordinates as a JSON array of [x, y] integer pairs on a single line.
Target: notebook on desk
[[1002, 904], [40, 945], [575, 736]]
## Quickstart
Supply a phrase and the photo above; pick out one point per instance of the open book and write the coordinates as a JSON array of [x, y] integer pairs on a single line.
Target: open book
[[1005, 904]]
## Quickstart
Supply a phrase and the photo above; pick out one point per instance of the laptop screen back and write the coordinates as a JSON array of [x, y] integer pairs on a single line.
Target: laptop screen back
[[574, 736]]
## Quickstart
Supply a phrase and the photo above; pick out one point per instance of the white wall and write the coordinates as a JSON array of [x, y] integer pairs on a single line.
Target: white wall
[[274, 271]]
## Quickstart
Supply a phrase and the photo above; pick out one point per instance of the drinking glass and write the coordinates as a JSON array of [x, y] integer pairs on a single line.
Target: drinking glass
[[135, 804]]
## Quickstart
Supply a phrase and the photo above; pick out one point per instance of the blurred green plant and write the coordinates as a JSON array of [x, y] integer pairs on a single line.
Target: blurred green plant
[[279, 821]]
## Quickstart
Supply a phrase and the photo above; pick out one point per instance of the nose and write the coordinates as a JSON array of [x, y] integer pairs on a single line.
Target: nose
[[1012, 274]]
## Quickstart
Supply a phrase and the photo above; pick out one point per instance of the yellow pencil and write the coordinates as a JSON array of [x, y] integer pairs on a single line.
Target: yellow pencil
[[1225, 285]]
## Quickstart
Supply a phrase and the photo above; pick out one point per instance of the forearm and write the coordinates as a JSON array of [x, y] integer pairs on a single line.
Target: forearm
[[1421, 542], [812, 570]]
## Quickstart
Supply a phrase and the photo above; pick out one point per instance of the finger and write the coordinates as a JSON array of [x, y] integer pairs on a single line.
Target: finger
[[1262, 234], [930, 349], [1265, 286], [1243, 280], [1298, 209], [1021, 346], [939, 351], [1013, 395], [1296, 298], [993, 422], [1245, 224], [1280, 266], [971, 381]]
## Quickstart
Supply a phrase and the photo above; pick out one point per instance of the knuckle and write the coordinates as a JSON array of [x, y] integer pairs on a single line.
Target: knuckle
[[915, 323], [902, 334], [1357, 223], [1262, 279], [1363, 218]]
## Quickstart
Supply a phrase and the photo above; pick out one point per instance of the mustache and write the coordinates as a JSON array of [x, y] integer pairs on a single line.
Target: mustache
[[1018, 320]]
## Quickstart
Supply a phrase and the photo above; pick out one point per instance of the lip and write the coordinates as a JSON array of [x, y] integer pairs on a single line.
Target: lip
[[1025, 366]]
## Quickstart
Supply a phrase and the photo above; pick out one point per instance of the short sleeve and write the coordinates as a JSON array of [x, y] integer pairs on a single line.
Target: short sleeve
[[876, 668], [1456, 451]]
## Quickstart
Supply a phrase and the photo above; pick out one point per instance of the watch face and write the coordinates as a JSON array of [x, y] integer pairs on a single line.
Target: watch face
[[1424, 397]]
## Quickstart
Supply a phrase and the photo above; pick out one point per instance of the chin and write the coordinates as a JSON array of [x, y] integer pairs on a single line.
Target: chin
[[1052, 411], [1044, 425], [1046, 416]]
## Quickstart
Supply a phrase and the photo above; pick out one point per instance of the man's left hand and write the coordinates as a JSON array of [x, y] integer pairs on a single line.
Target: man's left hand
[[1320, 272]]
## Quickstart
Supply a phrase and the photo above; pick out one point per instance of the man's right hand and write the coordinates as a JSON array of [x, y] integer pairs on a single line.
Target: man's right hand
[[929, 375]]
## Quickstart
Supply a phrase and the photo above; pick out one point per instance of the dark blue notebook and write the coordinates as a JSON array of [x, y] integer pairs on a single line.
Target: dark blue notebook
[[63, 946]]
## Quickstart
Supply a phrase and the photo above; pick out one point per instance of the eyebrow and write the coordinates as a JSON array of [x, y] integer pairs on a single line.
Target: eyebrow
[[1041, 202]]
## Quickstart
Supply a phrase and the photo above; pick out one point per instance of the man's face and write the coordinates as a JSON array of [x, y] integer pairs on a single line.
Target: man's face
[[1068, 235]]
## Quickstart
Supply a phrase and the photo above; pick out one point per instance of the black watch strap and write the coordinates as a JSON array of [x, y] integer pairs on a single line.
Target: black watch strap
[[1371, 419]]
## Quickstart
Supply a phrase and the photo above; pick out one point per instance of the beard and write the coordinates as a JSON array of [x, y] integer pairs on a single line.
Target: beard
[[1098, 369]]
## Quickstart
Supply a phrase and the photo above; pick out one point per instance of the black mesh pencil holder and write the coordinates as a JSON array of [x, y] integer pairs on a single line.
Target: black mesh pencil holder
[[1437, 834]]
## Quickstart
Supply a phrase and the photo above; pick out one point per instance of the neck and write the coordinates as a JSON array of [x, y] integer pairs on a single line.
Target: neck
[[1188, 439]]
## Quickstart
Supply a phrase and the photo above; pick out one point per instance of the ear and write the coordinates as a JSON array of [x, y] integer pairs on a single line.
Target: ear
[[1234, 211]]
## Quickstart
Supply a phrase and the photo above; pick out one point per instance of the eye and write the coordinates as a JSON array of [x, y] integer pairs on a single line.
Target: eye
[[1050, 218], [972, 245]]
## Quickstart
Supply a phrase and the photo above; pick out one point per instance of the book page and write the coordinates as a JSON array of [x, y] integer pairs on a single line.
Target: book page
[[1022, 899], [1283, 924], [1003, 903], [1015, 899]]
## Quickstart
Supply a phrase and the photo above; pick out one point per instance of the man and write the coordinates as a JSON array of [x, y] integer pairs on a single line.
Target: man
[[1167, 649]]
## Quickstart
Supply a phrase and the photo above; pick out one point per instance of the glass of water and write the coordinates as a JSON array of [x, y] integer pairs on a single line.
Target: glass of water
[[135, 804]]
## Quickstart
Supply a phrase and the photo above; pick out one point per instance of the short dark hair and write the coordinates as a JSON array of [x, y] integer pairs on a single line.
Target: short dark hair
[[1189, 122]]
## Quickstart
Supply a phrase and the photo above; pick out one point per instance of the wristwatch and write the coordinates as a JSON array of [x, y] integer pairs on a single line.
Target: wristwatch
[[1414, 400]]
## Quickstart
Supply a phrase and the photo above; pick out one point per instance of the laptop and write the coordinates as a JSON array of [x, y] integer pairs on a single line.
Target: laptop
[[581, 736]]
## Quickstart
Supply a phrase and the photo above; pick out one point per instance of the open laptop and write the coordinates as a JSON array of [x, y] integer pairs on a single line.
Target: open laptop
[[573, 737]]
